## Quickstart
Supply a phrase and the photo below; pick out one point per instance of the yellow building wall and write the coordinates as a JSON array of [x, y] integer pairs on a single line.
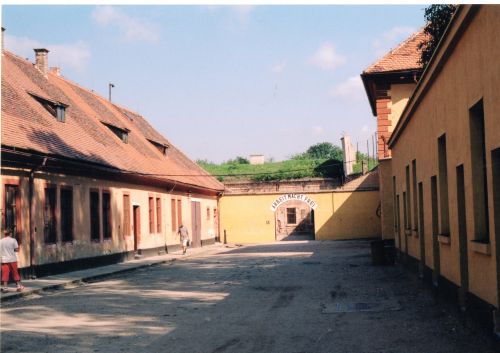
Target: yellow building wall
[[386, 199], [400, 94], [82, 246], [471, 73], [339, 215]]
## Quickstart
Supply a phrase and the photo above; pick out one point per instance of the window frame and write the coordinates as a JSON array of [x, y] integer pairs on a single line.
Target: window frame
[[65, 188], [109, 223], [126, 215], [288, 214], [53, 215], [158, 215], [97, 214], [173, 214], [18, 207], [179, 212]]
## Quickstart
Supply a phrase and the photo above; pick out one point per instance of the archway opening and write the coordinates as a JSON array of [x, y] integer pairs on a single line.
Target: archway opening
[[294, 220]]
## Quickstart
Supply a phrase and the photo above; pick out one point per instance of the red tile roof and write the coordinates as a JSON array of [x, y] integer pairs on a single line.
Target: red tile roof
[[26, 124], [404, 57]]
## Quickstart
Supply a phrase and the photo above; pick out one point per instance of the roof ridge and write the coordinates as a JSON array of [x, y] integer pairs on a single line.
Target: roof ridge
[[395, 49]]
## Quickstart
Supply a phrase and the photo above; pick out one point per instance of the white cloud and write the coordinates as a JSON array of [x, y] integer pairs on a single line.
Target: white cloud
[[350, 89], [327, 58], [318, 130], [392, 38], [132, 29], [72, 55], [279, 67]]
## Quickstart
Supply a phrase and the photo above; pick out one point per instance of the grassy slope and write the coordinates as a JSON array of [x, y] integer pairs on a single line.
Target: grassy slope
[[289, 169]]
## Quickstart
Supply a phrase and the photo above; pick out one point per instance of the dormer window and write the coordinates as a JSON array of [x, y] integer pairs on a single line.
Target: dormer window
[[57, 109], [60, 113], [160, 146], [122, 134]]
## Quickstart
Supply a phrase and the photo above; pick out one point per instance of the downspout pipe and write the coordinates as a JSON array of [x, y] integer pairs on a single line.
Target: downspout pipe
[[32, 216]]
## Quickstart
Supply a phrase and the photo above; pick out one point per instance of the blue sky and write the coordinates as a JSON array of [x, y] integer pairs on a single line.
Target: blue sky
[[222, 81]]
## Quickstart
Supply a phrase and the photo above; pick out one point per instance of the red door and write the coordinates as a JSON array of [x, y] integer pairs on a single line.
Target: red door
[[196, 224]]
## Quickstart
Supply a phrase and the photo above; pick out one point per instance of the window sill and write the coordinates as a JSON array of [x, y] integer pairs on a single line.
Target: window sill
[[480, 247], [444, 239], [407, 231], [67, 242]]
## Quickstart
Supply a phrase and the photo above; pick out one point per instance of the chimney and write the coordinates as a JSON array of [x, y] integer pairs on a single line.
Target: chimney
[[56, 70], [42, 60], [3, 30]]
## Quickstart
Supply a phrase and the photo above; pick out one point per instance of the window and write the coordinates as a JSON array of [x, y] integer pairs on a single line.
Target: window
[[57, 109], [95, 233], [126, 215], [405, 210], [160, 146], [158, 215], [50, 236], [407, 205], [398, 221], [495, 162], [208, 213], [151, 216], [443, 186], [106, 215], [60, 113], [291, 216], [434, 206], [414, 182], [12, 220], [179, 212], [122, 134], [394, 203], [66, 214], [479, 175], [173, 214], [461, 212]]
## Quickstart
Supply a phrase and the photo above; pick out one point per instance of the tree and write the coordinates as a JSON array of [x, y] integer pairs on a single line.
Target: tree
[[325, 150], [238, 160], [438, 17]]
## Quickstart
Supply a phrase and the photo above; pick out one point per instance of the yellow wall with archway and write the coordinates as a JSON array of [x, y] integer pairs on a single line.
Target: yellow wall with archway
[[339, 215]]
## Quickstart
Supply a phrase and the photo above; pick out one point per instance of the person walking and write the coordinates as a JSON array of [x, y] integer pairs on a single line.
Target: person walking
[[184, 235], [8, 252]]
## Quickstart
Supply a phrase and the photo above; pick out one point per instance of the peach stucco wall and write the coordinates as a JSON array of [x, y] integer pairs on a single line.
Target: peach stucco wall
[[471, 73]]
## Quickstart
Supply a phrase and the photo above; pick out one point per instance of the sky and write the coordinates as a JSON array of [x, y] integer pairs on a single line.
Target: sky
[[223, 81]]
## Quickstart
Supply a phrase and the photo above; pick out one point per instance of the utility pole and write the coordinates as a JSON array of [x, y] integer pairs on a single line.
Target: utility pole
[[110, 86], [367, 155]]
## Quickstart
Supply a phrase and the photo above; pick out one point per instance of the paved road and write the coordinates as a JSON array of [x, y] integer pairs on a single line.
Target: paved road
[[286, 297]]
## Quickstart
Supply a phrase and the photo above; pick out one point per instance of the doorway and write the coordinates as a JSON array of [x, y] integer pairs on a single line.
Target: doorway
[[294, 220], [137, 227], [196, 224]]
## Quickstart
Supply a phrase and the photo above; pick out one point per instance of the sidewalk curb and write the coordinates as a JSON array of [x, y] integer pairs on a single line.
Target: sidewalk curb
[[27, 292]]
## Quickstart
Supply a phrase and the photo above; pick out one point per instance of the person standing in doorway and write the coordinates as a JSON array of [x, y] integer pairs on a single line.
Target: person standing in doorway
[[8, 252], [184, 234]]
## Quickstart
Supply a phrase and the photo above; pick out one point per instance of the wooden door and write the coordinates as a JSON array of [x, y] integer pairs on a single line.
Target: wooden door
[[195, 224]]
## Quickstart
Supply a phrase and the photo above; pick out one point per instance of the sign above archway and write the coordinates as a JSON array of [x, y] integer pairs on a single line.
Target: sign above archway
[[290, 197]]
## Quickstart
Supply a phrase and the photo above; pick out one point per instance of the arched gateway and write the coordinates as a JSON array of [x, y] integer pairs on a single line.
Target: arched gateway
[[294, 216]]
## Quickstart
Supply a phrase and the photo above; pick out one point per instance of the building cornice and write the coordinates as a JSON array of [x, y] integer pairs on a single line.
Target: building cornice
[[446, 45]]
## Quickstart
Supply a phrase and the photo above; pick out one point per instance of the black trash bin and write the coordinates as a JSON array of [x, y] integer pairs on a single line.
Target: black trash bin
[[378, 253]]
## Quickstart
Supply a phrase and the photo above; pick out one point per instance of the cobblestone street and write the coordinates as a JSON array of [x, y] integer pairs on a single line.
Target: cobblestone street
[[301, 296]]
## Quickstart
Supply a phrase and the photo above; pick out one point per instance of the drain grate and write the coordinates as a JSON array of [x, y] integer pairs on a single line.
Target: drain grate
[[386, 305]]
